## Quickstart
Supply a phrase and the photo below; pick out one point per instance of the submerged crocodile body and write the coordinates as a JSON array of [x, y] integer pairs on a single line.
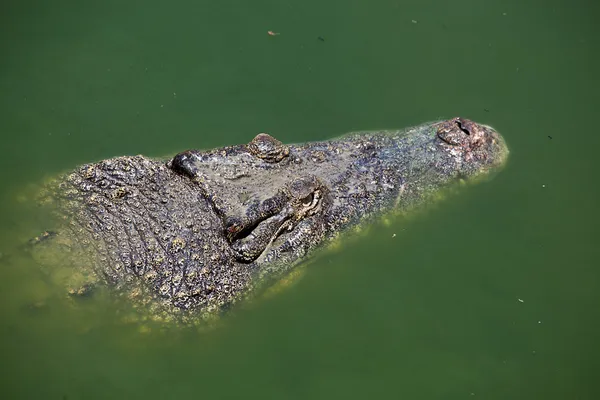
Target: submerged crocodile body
[[203, 229]]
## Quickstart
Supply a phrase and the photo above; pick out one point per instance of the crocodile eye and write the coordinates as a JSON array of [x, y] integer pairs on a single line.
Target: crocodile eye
[[307, 201]]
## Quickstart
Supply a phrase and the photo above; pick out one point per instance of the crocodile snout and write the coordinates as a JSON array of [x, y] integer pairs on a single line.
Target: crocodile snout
[[474, 146]]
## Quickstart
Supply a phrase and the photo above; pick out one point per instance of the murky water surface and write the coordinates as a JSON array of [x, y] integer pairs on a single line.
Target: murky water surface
[[490, 294]]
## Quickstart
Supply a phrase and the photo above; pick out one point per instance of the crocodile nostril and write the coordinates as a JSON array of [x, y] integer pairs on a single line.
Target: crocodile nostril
[[461, 127]]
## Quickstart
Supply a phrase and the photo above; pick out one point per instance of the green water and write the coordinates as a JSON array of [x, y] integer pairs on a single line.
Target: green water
[[492, 294]]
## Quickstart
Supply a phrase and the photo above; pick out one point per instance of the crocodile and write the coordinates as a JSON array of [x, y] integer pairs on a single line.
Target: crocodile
[[195, 233]]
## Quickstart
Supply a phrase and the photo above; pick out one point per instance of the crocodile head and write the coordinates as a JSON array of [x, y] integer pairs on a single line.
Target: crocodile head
[[205, 228]]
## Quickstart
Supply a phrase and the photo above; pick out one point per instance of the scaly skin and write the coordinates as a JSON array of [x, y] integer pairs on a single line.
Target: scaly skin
[[206, 228]]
